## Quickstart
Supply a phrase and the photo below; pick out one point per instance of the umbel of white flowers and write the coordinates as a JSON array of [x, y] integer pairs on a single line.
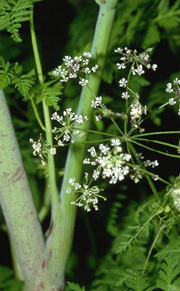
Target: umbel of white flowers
[[109, 162], [73, 68]]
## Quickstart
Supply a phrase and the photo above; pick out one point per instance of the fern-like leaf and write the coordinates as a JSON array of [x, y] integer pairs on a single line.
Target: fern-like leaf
[[137, 282], [24, 83], [169, 274], [12, 14], [169, 17], [173, 249], [152, 36], [75, 287], [50, 93], [141, 232], [112, 225], [6, 74]]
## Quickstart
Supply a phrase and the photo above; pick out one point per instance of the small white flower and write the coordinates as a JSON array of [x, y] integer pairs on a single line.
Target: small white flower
[[96, 102], [171, 101], [87, 55], [60, 143], [123, 83], [92, 152], [136, 110], [83, 82], [87, 70], [152, 164], [52, 151], [94, 69], [176, 82], [154, 67], [125, 95], [115, 142], [140, 70], [169, 88], [121, 66], [96, 174], [118, 50]]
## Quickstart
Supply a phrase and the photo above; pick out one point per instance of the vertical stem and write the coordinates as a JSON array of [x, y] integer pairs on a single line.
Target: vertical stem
[[17, 203], [49, 139], [99, 49], [60, 239]]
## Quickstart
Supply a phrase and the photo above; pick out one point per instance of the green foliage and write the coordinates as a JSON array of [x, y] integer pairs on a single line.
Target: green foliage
[[112, 227], [169, 273], [11, 74], [168, 16], [23, 83], [137, 282], [7, 280], [140, 232], [49, 92], [6, 73], [152, 36], [12, 14], [169, 279], [134, 269], [75, 287], [139, 24]]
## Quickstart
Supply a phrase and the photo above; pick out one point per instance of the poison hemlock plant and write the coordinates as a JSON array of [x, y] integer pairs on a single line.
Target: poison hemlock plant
[[108, 142]]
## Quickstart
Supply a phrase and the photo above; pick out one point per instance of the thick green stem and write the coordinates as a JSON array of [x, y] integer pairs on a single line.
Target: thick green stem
[[61, 236], [17, 203], [47, 119], [99, 49]]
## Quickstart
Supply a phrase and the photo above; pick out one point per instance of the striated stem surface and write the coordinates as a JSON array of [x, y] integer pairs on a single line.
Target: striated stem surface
[[17, 203]]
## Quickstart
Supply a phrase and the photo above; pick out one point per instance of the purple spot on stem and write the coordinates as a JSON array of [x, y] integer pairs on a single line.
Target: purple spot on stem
[[43, 264], [17, 176]]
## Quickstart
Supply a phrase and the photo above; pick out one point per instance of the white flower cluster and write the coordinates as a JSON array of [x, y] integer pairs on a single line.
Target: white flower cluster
[[175, 193], [95, 103], [137, 175], [110, 162], [42, 149], [176, 196], [152, 164], [67, 121], [171, 86], [136, 111], [72, 67], [138, 59], [174, 87], [89, 195]]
